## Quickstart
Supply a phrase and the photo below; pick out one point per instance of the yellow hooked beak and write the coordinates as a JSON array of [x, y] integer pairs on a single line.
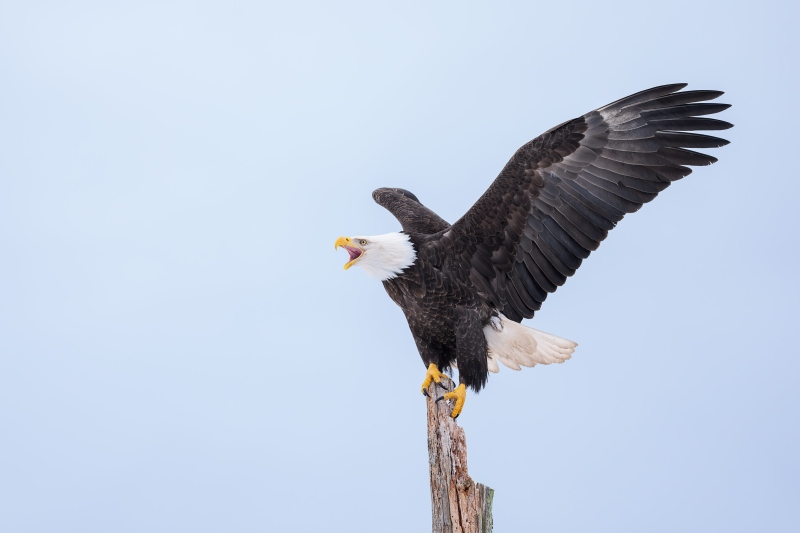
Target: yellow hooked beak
[[354, 251]]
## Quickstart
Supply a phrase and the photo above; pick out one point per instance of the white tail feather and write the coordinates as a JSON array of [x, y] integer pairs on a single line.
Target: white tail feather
[[516, 345]]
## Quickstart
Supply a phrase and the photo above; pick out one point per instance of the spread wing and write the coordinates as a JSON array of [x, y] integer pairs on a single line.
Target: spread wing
[[561, 193], [413, 216]]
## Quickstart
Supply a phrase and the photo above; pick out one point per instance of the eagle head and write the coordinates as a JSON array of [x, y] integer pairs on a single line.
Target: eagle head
[[382, 256]]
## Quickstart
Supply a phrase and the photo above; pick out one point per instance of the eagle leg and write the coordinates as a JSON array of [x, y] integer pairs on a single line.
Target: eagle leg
[[433, 375], [459, 395]]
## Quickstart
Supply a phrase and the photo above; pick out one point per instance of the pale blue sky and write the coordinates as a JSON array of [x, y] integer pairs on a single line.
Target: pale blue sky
[[180, 349]]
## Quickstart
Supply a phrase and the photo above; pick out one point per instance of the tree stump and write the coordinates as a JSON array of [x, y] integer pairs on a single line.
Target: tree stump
[[458, 504]]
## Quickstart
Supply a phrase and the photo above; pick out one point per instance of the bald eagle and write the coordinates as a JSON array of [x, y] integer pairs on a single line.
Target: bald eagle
[[465, 287]]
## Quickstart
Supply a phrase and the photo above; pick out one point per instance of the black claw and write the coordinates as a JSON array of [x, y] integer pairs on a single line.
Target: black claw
[[440, 398], [425, 393]]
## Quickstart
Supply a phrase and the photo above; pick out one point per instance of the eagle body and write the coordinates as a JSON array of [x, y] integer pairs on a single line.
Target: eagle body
[[445, 314], [464, 288]]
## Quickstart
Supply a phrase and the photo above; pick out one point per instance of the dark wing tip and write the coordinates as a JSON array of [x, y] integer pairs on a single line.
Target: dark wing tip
[[689, 140], [408, 194], [377, 193], [643, 96]]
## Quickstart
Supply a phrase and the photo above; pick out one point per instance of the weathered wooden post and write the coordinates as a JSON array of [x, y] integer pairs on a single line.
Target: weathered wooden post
[[458, 504]]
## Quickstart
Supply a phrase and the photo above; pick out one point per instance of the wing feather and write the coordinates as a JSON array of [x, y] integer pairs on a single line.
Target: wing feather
[[413, 216], [561, 193]]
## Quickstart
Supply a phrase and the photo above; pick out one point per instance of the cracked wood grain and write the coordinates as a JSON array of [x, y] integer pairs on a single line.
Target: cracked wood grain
[[458, 504]]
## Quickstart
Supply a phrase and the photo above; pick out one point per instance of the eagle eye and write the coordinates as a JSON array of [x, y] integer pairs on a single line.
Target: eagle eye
[[362, 242]]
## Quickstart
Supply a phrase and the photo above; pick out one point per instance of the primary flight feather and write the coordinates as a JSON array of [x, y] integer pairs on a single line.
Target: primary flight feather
[[464, 288]]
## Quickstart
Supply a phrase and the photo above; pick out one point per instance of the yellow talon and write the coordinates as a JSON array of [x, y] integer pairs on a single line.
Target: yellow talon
[[459, 395], [432, 374]]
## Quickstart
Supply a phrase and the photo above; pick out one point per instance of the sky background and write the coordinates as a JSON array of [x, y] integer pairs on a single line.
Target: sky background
[[180, 349]]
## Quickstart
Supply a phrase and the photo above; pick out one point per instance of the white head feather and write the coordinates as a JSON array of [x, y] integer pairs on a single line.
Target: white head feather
[[386, 256]]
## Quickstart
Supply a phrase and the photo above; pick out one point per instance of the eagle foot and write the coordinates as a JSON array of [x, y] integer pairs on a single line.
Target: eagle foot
[[433, 375], [459, 395]]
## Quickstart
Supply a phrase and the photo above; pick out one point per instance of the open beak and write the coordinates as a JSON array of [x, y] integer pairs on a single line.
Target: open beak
[[354, 251]]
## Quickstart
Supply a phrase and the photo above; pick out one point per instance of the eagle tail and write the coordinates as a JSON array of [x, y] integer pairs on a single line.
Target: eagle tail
[[516, 345]]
